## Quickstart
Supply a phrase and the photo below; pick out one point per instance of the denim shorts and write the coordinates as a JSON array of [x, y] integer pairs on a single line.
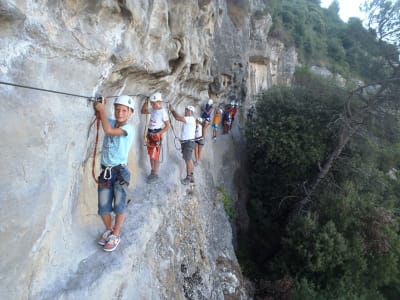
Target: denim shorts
[[187, 150], [111, 192], [201, 142]]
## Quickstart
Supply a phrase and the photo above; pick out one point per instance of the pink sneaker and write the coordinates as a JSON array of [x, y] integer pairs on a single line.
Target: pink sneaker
[[104, 237], [112, 243]]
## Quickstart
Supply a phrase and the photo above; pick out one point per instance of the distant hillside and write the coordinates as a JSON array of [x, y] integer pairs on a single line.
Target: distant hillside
[[322, 38]]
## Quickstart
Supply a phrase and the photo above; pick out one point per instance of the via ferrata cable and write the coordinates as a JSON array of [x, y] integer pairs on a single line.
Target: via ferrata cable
[[91, 98], [45, 90], [173, 131]]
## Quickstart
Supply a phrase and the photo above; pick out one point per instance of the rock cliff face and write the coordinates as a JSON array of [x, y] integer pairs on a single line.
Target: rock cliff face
[[177, 241]]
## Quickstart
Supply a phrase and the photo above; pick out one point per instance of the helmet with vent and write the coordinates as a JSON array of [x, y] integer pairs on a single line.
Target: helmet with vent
[[124, 100], [156, 97]]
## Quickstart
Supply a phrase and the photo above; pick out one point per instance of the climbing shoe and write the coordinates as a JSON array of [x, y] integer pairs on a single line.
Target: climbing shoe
[[186, 180], [104, 238], [152, 178], [112, 243]]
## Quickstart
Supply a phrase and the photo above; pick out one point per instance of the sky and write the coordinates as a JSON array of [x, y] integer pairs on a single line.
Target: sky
[[348, 8]]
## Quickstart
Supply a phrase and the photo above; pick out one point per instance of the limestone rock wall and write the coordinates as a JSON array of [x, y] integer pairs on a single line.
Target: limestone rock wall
[[270, 63], [177, 242]]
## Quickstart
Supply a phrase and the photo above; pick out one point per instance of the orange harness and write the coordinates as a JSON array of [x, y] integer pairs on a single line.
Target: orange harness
[[154, 145]]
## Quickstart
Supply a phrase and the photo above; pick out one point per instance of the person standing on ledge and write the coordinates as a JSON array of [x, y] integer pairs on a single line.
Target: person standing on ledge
[[199, 140], [158, 124], [115, 174], [233, 114], [216, 120], [206, 114], [187, 139]]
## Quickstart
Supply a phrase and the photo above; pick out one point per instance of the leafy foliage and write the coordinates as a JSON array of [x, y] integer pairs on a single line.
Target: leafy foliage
[[228, 202], [322, 38], [296, 133], [347, 246], [384, 17], [324, 183]]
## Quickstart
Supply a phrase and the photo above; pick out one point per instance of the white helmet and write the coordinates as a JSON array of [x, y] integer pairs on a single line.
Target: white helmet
[[156, 97], [210, 102], [190, 107], [124, 100]]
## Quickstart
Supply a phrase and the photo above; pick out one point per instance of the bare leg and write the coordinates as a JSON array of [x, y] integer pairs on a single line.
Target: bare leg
[[155, 166], [119, 220], [206, 124], [151, 164], [107, 220], [189, 167], [196, 152], [199, 148]]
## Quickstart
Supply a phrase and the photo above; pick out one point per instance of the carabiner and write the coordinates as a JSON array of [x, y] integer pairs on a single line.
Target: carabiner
[[107, 173]]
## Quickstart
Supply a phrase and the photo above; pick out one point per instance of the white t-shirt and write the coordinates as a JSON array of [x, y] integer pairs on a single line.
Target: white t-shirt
[[199, 131], [157, 118], [188, 129]]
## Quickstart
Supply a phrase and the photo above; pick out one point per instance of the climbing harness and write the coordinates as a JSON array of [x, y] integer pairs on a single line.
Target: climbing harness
[[106, 175], [153, 144]]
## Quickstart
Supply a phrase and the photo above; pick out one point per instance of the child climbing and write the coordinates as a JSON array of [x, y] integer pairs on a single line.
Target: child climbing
[[216, 121], [187, 140], [250, 113], [199, 140], [158, 124], [226, 119], [115, 174], [206, 114], [233, 113]]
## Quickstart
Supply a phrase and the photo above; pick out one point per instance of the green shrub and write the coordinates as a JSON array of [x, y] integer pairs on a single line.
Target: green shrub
[[228, 202]]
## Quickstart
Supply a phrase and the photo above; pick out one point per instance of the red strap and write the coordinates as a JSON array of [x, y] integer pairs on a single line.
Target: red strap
[[98, 119]]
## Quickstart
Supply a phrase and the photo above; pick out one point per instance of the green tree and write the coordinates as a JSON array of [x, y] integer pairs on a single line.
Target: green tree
[[349, 225], [384, 18], [292, 136], [347, 244], [322, 38], [334, 7], [323, 203]]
